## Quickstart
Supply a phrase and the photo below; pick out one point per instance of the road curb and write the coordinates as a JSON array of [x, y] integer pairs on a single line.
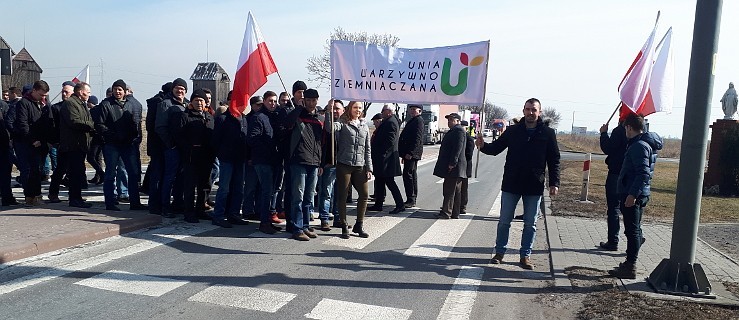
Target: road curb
[[556, 251], [20, 251]]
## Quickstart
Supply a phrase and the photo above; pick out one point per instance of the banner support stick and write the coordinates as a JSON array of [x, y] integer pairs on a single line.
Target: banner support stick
[[482, 107], [614, 112]]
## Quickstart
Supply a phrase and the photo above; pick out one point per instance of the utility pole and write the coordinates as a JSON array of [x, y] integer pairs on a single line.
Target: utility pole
[[679, 275], [102, 81], [573, 122]]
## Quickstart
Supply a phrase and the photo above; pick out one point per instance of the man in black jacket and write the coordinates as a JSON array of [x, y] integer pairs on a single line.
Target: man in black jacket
[[5, 166], [155, 150], [452, 166], [469, 150], [263, 155], [386, 161], [29, 142], [171, 186], [304, 159], [614, 147], [194, 129], [117, 125], [410, 147], [532, 148], [51, 117]]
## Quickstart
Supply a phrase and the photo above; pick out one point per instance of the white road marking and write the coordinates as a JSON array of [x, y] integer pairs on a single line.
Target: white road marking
[[126, 282], [328, 309], [375, 226], [461, 298], [495, 209], [154, 240], [439, 240], [470, 181], [245, 298]]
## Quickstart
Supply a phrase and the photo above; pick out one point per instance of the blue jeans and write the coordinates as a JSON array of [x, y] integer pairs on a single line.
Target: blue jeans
[[230, 190], [51, 161], [303, 179], [169, 187], [251, 184], [508, 203], [121, 180], [263, 173], [632, 225], [277, 174], [113, 154], [613, 207], [215, 170], [326, 192]]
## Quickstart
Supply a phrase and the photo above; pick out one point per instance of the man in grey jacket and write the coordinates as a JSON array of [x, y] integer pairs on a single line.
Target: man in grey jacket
[[452, 166]]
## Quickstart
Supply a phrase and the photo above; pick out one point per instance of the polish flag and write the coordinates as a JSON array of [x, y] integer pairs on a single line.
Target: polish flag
[[255, 64], [659, 97], [634, 87], [83, 76]]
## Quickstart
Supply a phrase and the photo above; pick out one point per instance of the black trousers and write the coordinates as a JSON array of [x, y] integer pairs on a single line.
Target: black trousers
[[389, 182], [6, 167], [75, 162], [58, 175], [95, 158], [410, 179], [196, 179]]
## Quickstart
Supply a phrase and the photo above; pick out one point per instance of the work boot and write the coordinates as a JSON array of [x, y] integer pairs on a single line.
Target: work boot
[[526, 263], [358, 230], [300, 237], [325, 226], [266, 228], [310, 233], [625, 270], [497, 258]]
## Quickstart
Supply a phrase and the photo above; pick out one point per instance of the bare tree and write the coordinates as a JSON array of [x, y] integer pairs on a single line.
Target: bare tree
[[492, 112], [320, 66], [553, 115]]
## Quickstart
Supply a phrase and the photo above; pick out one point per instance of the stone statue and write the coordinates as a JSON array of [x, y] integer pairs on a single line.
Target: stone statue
[[729, 102]]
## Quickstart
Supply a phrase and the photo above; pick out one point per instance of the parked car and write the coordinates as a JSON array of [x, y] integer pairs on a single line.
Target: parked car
[[487, 133]]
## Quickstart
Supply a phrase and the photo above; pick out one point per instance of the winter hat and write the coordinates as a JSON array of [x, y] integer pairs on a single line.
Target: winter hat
[[299, 85], [167, 87], [255, 100], [310, 94], [119, 83], [93, 100], [199, 93], [68, 83], [377, 116], [179, 82]]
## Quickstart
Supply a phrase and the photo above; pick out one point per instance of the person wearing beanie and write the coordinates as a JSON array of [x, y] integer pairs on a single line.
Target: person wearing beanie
[[304, 159], [171, 179], [298, 88], [155, 150], [194, 129], [28, 140], [115, 122]]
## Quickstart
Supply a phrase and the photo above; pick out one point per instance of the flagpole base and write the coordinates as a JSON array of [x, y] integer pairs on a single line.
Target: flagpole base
[[681, 279]]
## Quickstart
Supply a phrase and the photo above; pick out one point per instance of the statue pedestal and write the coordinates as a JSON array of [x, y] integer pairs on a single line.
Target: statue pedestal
[[713, 175]]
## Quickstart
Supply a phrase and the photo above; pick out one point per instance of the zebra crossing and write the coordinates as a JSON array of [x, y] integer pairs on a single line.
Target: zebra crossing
[[436, 243]]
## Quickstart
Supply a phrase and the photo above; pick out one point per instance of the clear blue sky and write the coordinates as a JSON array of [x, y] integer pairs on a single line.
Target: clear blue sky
[[570, 54]]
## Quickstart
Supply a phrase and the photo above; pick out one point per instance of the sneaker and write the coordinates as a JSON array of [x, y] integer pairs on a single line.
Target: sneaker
[[624, 270], [497, 259], [526, 263], [275, 219], [300, 237], [609, 246]]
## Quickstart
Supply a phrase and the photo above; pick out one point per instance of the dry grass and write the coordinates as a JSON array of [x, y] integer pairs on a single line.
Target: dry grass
[[591, 143], [660, 208], [615, 304]]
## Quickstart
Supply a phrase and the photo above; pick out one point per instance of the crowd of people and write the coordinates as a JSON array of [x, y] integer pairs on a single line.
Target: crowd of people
[[283, 159]]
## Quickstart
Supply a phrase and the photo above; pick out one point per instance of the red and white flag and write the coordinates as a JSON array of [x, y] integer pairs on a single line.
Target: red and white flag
[[255, 64], [83, 76], [634, 86]]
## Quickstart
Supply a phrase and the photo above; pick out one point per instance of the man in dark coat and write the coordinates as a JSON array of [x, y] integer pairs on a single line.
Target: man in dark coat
[[5, 166], [155, 150], [263, 154], [452, 166], [386, 160], [117, 125], [410, 147], [52, 134], [95, 154], [469, 150], [171, 185], [614, 147], [532, 148], [28, 140], [194, 130], [229, 141], [75, 126]]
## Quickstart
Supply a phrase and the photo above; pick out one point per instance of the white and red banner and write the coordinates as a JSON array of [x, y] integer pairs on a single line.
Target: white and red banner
[[649, 84], [255, 64], [83, 76], [444, 75]]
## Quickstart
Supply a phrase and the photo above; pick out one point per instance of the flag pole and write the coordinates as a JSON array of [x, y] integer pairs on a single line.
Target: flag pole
[[614, 112], [482, 107], [289, 94]]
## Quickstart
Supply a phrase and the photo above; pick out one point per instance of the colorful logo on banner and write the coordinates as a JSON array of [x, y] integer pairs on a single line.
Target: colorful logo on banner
[[461, 86]]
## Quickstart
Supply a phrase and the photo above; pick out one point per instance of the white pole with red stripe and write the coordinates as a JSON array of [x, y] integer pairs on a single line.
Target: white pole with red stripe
[[585, 179]]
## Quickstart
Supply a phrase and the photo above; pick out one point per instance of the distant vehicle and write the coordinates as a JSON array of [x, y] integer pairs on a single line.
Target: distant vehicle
[[487, 133]]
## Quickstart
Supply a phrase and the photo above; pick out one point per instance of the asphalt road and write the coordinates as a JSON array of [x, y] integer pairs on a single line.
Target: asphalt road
[[412, 267]]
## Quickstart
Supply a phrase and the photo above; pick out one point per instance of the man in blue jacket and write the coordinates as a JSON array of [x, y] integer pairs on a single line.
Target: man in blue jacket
[[633, 188], [532, 148]]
